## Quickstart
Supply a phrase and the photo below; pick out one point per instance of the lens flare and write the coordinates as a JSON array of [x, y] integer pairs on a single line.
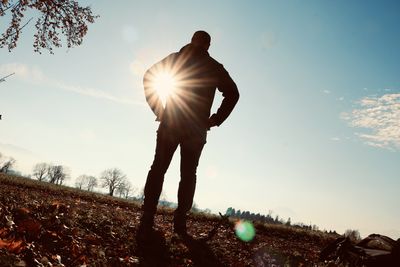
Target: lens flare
[[245, 231], [164, 84], [170, 80]]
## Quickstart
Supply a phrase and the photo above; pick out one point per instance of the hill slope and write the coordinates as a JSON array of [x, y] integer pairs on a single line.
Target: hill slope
[[42, 224]]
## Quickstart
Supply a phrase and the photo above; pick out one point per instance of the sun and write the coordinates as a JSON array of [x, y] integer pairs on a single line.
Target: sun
[[164, 84]]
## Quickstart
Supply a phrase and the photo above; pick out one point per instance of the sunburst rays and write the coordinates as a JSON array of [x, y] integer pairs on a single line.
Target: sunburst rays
[[171, 82]]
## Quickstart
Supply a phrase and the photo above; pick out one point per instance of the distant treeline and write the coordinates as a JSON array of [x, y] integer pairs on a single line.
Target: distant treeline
[[269, 219]]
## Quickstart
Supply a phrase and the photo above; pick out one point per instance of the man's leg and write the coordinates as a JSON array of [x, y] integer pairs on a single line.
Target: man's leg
[[165, 148], [190, 155]]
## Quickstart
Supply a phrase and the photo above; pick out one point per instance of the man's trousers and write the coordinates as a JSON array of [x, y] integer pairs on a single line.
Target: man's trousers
[[191, 144]]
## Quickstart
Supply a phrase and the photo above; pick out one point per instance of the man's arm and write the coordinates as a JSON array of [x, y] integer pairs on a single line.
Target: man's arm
[[230, 93]]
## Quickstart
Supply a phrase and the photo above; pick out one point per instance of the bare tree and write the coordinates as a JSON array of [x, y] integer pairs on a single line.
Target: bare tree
[[91, 183], [125, 190], [66, 175], [80, 181], [40, 171], [55, 16], [6, 163], [122, 189], [57, 174], [112, 178], [86, 182]]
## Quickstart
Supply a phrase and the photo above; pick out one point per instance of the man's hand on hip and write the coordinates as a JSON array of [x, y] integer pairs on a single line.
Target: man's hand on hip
[[211, 122]]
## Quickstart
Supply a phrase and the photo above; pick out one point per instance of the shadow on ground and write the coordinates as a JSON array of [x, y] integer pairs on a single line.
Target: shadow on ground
[[156, 252], [200, 252]]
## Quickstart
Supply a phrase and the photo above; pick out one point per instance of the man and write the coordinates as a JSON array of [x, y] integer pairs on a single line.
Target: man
[[184, 121]]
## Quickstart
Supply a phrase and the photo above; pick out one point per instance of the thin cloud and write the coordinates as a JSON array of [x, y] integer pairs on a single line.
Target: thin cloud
[[97, 94], [35, 75], [32, 74], [16, 149], [380, 117]]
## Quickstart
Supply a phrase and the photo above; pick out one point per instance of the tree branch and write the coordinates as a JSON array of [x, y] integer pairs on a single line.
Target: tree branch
[[17, 31], [10, 6], [57, 18]]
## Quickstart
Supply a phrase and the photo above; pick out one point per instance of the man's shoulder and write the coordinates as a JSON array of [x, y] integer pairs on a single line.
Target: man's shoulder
[[217, 66], [171, 56], [215, 62]]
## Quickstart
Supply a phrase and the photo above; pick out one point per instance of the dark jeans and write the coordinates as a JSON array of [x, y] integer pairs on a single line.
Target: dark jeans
[[191, 144]]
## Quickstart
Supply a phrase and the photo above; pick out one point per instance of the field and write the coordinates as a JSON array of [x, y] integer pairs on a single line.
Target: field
[[47, 225]]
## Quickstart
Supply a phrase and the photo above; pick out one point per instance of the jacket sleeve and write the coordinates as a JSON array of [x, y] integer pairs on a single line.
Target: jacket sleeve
[[230, 95], [152, 97]]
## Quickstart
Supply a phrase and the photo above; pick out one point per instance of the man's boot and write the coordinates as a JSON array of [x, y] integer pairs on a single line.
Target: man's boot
[[180, 224], [145, 230]]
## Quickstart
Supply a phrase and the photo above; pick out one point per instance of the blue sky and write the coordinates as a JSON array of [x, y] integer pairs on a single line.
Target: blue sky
[[315, 135]]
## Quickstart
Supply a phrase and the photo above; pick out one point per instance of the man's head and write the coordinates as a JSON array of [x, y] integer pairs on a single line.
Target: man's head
[[201, 39]]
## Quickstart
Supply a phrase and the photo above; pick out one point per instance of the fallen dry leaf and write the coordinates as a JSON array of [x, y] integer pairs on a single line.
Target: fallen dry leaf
[[14, 246]]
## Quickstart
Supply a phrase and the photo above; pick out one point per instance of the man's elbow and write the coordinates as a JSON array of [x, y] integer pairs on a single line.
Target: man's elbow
[[235, 96]]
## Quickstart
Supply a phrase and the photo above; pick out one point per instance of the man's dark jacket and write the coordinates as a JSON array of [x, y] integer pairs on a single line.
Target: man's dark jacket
[[197, 76]]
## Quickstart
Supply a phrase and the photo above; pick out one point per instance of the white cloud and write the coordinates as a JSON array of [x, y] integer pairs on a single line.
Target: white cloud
[[326, 92], [96, 94], [32, 74], [35, 75], [380, 117]]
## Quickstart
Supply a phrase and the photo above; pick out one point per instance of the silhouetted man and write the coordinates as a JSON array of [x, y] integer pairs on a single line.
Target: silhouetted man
[[184, 121]]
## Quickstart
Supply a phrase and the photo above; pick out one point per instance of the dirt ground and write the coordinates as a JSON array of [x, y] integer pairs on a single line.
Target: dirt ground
[[48, 225]]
